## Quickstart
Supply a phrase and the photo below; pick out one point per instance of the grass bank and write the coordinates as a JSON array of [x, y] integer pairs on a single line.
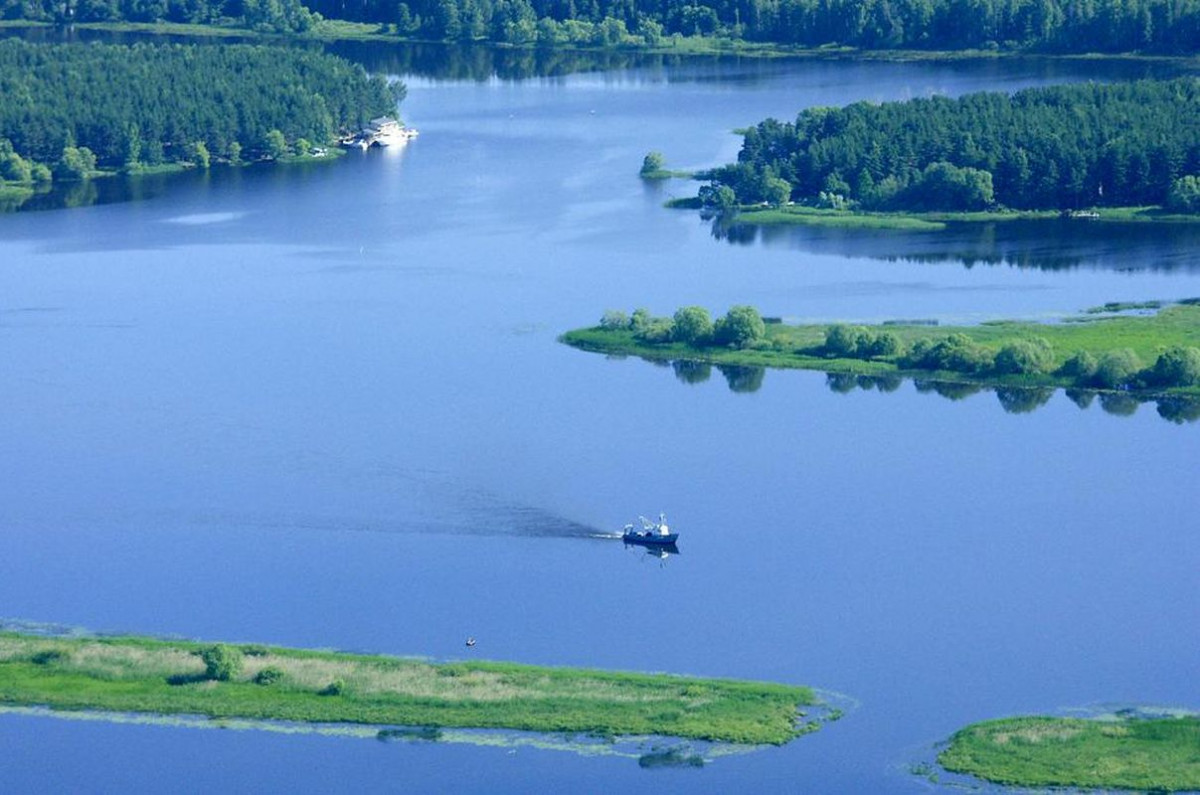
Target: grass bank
[[814, 216], [133, 674], [1136, 754], [1095, 333], [936, 221]]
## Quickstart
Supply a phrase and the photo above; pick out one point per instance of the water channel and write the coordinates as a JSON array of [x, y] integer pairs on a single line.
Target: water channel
[[325, 407]]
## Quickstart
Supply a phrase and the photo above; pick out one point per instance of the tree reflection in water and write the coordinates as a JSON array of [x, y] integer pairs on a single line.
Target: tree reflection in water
[[951, 390], [1178, 409], [1119, 404], [1020, 400], [742, 378], [692, 372]]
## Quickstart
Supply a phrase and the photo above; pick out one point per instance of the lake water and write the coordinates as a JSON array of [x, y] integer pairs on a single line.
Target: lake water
[[326, 407]]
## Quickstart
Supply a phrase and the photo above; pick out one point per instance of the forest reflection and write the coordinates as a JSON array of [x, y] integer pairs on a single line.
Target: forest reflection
[[1051, 244]]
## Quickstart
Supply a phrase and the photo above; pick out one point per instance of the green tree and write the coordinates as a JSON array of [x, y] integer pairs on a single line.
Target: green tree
[[1184, 196], [133, 147], [1024, 357], [659, 330], [77, 162], [741, 327], [1178, 366], [235, 153], [693, 325], [275, 145], [955, 353], [777, 191], [613, 319], [199, 154], [1082, 367], [222, 662], [652, 164], [13, 167], [718, 197], [1116, 368], [640, 320], [845, 342], [944, 186], [885, 344]]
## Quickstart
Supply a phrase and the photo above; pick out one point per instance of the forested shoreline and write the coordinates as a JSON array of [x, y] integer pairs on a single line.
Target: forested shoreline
[[1057, 26], [70, 109], [1061, 147]]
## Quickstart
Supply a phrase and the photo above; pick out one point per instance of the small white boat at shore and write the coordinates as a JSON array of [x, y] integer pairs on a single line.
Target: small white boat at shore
[[383, 131]]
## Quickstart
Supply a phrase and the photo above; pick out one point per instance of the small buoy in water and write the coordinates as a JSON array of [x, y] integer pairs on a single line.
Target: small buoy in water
[[470, 641]]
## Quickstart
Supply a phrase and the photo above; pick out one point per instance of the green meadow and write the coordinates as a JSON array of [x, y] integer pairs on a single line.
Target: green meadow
[[1158, 755], [1096, 335], [133, 674]]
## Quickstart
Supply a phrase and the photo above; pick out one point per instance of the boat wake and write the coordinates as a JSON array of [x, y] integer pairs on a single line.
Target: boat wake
[[444, 510]]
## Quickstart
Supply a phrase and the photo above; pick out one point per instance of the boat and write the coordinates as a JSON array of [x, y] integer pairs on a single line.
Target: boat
[[383, 131], [656, 534]]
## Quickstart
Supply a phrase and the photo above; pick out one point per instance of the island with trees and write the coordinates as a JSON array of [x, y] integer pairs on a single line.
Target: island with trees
[[74, 111], [222, 680], [1123, 151], [1152, 354], [1121, 751]]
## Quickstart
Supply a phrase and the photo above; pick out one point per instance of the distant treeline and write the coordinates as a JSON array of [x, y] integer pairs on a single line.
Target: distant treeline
[[1053, 25], [1163, 26], [1062, 147], [129, 106], [277, 16]]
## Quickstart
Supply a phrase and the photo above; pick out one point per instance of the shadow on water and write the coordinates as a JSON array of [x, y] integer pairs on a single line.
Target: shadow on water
[[662, 553], [1178, 409]]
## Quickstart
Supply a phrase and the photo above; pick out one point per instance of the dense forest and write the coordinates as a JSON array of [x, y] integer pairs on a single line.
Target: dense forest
[[277, 16], [1054, 25], [78, 106], [1162, 26], [1063, 147]]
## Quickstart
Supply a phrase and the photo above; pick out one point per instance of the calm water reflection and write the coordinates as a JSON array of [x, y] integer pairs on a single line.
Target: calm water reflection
[[1041, 245], [326, 407], [1014, 400]]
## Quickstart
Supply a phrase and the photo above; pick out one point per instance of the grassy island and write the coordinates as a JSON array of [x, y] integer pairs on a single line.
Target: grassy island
[[135, 674], [1140, 754], [1151, 353]]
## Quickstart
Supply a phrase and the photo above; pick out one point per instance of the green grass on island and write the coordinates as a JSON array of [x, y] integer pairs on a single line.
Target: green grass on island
[[1154, 353], [1159, 755], [798, 215], [133, 674]]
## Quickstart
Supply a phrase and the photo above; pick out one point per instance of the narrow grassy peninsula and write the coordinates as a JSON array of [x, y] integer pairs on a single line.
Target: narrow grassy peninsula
[[1138, 754], [1154, 353], [133, 674]]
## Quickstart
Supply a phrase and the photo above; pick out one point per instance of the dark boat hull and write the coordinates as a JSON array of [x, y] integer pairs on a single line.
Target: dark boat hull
[[649, 540]]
